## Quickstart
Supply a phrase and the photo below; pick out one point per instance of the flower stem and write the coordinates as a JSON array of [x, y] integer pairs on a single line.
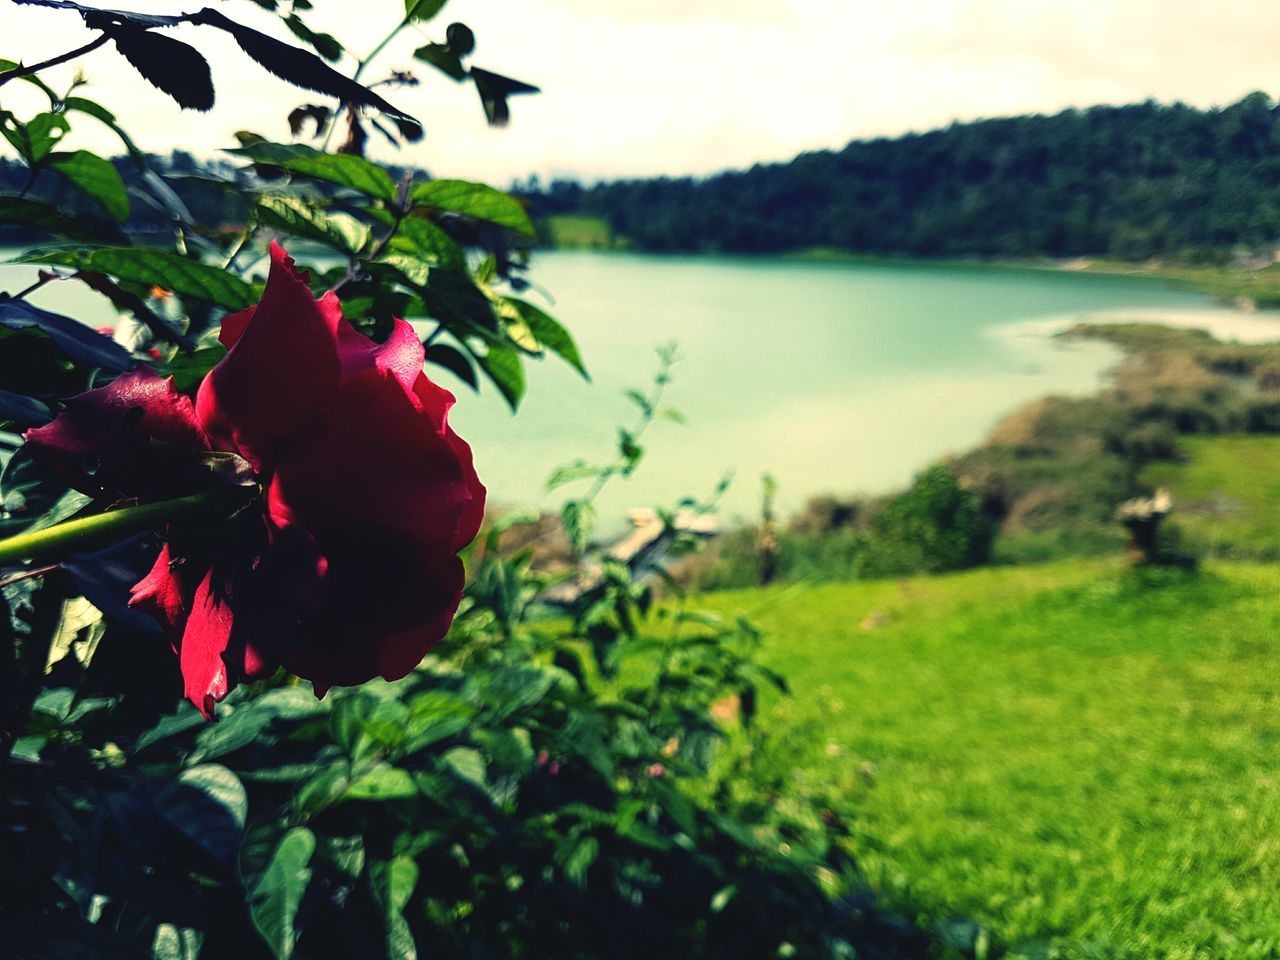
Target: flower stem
[[87, 534]]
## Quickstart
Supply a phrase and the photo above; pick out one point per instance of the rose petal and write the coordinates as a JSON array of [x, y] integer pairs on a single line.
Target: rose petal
[[401, 354], [206, 637], [379, 619], [129, 439], [386, 497], [165, 594], [436, 401], [379, 464], [234, 325], [274, 385]]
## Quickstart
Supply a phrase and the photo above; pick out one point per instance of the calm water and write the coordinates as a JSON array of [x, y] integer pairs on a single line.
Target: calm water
[[833, 377]]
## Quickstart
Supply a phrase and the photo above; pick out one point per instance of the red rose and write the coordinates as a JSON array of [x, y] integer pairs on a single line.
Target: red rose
[[346, 568]]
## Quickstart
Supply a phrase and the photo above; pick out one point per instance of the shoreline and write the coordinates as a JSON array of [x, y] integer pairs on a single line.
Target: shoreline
[[1242, 288]]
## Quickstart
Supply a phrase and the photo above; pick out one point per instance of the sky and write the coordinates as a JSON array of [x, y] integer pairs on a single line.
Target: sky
[[650, 87]]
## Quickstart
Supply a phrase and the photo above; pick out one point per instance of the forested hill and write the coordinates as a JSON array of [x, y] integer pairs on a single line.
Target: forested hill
[[1132, 182]]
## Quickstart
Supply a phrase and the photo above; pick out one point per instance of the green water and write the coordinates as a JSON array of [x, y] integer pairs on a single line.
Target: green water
[[833, 377]]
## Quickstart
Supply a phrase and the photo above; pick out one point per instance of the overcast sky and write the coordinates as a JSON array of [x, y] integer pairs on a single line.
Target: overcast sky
[[641, 87]]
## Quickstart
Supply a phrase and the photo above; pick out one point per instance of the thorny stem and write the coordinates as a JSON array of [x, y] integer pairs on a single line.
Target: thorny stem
[[87, 534], [17, 72]]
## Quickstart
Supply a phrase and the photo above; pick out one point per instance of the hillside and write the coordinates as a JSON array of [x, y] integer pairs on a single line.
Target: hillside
[[1078, 757], [1133, 182]]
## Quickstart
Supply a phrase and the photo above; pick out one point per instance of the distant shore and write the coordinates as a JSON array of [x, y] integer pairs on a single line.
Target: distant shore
[[1246, 284]]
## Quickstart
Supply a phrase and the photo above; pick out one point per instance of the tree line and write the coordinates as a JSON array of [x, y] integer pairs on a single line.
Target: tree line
[[1137, 181]]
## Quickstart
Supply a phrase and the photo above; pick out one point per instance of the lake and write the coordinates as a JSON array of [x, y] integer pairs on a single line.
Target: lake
[[834, 377]]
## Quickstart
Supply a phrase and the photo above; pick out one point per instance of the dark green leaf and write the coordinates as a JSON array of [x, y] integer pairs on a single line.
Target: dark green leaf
[[182, 275], [26, 411], [494, 89], [297, 66], [186, 718], [96, 177], [170, 65], [476, 200], [188, 369], [38, 215], [274, 901], [422, 10], [443, 59], [207, 804], [453, 360], [548, 332], [232, 733], [73, 338], [325, 44], [503, 367]]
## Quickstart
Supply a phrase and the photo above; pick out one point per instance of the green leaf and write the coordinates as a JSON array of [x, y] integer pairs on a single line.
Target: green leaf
[[431, 243], [383, 782], [476, 200], [188, 369], [569, 472], [467, 763], [579, 520], [393, 883], [186, 718], [578, 860], [346, 170], [182, 275], [503, 367], [34, 139], [422, 10], [274, 902], [548, 332], [304, 218], [33, 497], [96, 177], [208, 805]]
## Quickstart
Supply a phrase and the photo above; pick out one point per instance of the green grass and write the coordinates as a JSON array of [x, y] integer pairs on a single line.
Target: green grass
[[1223, 281], [573, 231], [1067, 754], [1226, 495]]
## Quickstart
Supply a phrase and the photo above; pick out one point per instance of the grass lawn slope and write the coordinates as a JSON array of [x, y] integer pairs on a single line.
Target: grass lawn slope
[[1083, 759], [1226, 494]]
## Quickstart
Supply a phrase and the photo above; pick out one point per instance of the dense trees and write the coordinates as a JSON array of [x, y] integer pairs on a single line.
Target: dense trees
[[1133, 181]]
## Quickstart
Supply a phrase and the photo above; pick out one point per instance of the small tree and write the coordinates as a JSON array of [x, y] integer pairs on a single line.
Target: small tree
[[939, 522]]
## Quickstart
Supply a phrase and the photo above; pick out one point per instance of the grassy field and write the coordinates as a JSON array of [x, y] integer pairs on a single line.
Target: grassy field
[[1085, 762], [1226, 495], [575, 232]]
